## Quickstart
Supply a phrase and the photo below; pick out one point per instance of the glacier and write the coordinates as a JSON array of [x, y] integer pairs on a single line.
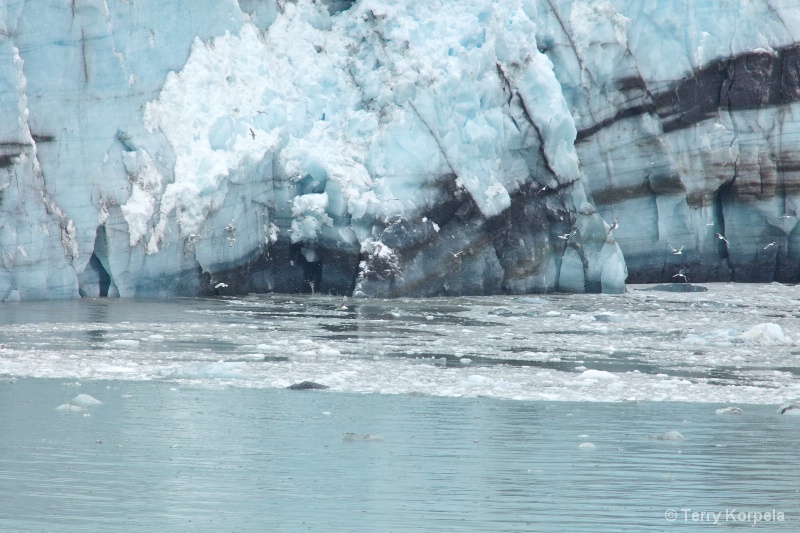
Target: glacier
[[387, 148]]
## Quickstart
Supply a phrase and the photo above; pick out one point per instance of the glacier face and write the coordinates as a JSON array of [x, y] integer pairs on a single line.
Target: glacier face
[[385, 149]]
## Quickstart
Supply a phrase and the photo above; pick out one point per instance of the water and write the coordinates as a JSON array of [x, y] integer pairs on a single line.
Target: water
[[483, 414], [644, 345], [159, 456]]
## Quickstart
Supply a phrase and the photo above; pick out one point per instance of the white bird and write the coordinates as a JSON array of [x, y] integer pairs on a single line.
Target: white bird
[[680, 274], [674, 251], [710, 224], [722, 238], [770, 244], [456, 254], [344, 303], [220, 285], [786, 216], [613, 226], [566, 236]]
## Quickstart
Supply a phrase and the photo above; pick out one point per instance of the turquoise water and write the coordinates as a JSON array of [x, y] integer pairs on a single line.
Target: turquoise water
[[171, 456]]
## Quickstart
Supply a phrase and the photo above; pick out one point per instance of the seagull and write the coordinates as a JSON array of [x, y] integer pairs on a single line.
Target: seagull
[[680, 274], [344, 303], [220, 285], [456, 255], [722, 238], [252, 133], [674, 251], [613, 226], [786, 216], [566, 236], [710, 224], [770, 244]]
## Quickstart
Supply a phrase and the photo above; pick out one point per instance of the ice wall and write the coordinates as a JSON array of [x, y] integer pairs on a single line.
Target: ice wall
[[687, 130], [392, 148]]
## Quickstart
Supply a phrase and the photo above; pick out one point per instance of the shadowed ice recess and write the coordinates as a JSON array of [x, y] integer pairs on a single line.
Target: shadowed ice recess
[[731, 343]]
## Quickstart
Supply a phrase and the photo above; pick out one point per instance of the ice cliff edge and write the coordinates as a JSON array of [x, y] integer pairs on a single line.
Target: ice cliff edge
[[389, 148]]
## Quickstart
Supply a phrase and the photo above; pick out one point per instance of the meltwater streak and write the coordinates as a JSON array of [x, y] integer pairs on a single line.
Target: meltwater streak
[[158, 457], [731, 344]]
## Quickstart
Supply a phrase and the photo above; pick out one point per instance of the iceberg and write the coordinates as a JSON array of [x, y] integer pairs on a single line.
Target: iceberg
[[375, 148]]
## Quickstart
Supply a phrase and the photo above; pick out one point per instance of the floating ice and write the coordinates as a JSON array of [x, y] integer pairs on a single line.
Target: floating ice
[[353, 436], [587, 446], [220, 370], [126, 343], [765, 334], [85, 400], [669, 435], [598, 374], [729, 411], [523, 356], [69, 408], [477, 381]]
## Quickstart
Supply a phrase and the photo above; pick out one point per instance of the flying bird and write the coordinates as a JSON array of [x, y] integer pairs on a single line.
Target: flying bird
[[252, 133], [613, 226], [770, 244], [566, 236], [680, 274], [710, 224], [220, 285], [674, 251], [720, 237]]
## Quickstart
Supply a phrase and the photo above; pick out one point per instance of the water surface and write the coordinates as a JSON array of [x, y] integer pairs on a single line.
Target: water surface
[[164, 457]]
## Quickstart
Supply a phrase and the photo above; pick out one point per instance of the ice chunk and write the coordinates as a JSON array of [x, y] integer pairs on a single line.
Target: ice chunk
[[69, 408], [479, 381], [353, 437], [729, 411], [669, 435], [587, 446], [598, 374], [127, 343], [220, 369], [85, 400], [765, 334]]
